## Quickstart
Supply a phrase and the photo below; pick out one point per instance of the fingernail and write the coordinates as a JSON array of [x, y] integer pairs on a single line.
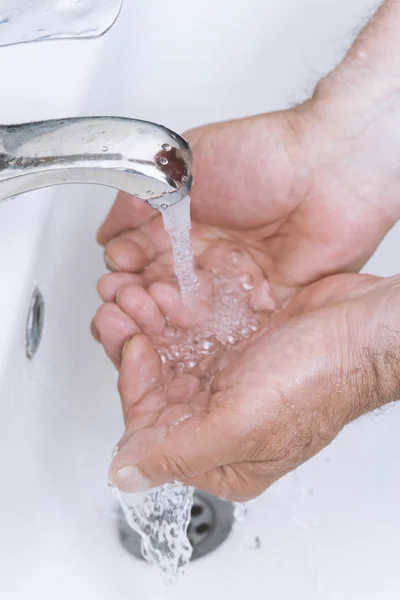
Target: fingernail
[[110, 264], [95, 331], [130, 479], [100, 237], [125, 347]]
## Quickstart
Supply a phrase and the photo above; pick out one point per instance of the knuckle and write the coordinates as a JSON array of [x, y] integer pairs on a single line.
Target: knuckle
[[176, 467]]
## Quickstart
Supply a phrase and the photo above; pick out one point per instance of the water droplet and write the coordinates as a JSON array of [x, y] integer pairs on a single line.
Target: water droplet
[[162, 356], [231, 339], [164, 206], [245, 332], [170, 331], [166, 147], [104, 148], [174, 352], [102, 131], [236, 255], [83, 139], [188, 351], [191, 364], [247, 282], [206, 346], [255, 326], [253, 544], [163, 160]]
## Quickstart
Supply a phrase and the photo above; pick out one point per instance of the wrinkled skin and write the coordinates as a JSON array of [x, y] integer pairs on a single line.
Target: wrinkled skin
[[290, 205], [277, 403]]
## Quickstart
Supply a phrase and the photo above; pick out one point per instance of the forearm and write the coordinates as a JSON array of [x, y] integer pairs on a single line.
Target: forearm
[[372, 65], [360, 104]]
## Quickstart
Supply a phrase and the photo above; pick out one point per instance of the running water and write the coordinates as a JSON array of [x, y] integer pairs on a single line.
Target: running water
[[177, 223], [162, 516]]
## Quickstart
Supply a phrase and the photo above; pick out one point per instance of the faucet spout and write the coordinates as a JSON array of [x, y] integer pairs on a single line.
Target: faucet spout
[[144, 159]]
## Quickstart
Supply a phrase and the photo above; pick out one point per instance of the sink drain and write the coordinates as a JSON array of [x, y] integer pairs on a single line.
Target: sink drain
[[210, 525]]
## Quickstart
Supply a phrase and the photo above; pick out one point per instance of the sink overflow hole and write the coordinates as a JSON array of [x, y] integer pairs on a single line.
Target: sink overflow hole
[[34, 324]]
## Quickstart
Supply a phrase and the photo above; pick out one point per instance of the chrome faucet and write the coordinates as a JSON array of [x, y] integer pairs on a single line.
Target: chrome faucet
[[144, 159]]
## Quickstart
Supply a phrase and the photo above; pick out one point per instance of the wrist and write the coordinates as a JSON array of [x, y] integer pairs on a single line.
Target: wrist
[[374, 332], [369, 74], [357, 137], [358, 105]]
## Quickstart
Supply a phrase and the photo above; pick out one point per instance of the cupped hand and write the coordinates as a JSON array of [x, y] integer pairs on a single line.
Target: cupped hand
[[325, 359], [302, 196]]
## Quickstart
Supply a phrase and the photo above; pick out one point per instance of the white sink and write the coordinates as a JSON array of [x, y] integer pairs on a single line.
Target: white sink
[[329, 531]]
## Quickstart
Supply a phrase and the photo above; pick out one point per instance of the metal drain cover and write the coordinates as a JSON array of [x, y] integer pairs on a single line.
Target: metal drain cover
[[210, 525]]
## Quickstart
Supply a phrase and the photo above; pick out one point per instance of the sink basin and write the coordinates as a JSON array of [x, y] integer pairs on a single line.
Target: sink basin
[[327, 531]]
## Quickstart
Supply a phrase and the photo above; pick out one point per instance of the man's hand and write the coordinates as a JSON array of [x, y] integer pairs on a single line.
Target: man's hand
[[330, 356], [297, 195]]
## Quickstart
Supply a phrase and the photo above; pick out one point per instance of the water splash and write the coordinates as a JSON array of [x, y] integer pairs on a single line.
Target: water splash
[[161, 517]]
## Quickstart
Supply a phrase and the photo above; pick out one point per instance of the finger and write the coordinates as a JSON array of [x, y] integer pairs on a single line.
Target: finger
[[127, 212], [136, 302], [155, 231], [124, 254], [168, 298], [108, 285], [140, 374], [114, 328]]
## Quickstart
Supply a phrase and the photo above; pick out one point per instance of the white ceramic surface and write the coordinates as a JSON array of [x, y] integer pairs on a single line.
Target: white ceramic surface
[[329, 531]]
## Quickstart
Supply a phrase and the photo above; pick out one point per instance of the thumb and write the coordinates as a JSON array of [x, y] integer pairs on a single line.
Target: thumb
[[192, 452], [164, 451]]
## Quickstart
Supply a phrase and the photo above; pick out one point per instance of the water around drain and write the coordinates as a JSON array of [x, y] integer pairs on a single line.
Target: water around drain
[[210, 525]]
